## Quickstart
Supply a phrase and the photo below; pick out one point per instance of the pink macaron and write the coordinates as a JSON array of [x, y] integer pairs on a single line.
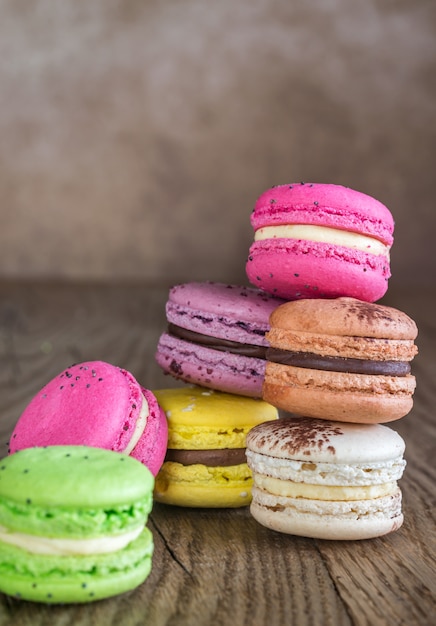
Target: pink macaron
[[320, 241], [216, 336], [99, 405]]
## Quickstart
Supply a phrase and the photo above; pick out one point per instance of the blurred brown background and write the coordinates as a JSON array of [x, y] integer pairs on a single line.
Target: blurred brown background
[[136, 135]]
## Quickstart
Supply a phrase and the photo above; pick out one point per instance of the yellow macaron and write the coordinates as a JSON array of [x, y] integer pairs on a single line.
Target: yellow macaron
[[205, 465]]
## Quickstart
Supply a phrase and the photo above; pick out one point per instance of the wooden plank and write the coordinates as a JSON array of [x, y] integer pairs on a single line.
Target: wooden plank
[[220, 566]]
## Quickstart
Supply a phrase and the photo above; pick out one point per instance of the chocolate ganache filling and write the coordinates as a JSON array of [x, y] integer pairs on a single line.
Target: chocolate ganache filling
[[224, 345], [338, 364], [213, 458]]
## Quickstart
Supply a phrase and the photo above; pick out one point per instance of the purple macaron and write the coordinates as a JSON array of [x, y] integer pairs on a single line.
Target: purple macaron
[[216, 336]]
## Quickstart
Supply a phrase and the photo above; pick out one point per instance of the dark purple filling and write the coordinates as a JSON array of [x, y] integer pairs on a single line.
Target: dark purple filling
[[224, 345]]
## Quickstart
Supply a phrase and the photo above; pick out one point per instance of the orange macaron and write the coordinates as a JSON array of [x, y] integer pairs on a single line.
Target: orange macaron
[[341, 359]]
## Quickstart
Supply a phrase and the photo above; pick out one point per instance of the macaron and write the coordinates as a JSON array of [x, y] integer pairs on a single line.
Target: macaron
[[95, 404], [341, 359], [205, 465], [216, 336], [320, 241], [326, 480], [72, 524]]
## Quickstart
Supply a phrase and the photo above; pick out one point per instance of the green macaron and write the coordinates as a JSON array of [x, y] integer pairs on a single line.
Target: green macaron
[[72, 524]]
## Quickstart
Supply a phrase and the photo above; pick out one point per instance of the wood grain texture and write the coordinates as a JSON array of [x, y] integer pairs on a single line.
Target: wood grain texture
[[222, 567]]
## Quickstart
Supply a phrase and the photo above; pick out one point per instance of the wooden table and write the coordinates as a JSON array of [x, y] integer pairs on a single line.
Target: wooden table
[[220, 566]]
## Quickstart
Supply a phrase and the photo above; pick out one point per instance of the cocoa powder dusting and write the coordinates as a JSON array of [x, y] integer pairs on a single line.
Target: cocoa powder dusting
[[295, 435], [369, 313]]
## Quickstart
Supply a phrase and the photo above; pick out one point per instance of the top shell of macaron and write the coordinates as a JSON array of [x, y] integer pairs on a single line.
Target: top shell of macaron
[[344, 317], [73, 476], [246, 304], [92, 403], [197, 406], [327, 205], [231, 312], [323, 441]]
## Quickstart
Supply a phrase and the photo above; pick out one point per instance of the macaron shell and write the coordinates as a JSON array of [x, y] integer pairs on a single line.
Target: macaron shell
[[92, 403], [210, 368], [329, 205], [75, 579], [326, 524], [205, 419], [73, 477], [338, 396], [292, 269], [344, 317], [233, 312], [152, 446], [202, 486], [326, 441]]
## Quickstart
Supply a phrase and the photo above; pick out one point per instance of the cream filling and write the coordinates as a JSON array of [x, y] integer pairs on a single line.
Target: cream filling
[[323, 234], [290, 489], [139, 427], [68, 547]]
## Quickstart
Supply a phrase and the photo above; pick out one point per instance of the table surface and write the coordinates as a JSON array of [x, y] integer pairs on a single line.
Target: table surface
[[221, 566]]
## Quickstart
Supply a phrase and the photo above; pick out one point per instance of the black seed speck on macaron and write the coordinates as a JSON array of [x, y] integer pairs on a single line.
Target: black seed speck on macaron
[[100, 379], [26, 471], [28, 501], [316, 203], [297, 275]]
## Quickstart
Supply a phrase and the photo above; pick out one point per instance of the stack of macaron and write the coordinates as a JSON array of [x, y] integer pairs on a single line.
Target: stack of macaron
[[309, 339], [215, 344], [77, 487], [338, 364]]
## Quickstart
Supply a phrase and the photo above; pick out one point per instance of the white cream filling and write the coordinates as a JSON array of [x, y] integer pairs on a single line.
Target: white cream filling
[[139, 427], [290, 489], [68, 547], [323, 234]]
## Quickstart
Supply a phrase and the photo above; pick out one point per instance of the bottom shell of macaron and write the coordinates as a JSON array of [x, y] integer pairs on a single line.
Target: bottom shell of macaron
[[74, 579], [210, 368], [202, 486], [364, 519]]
